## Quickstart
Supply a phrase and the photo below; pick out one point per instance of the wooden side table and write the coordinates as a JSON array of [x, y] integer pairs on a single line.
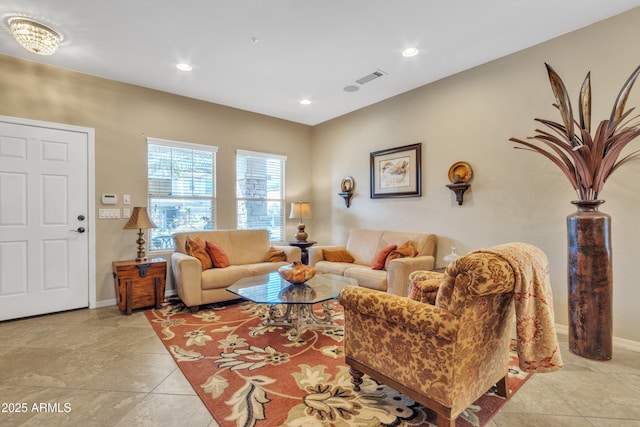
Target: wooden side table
[[139, 283], [303, 247]]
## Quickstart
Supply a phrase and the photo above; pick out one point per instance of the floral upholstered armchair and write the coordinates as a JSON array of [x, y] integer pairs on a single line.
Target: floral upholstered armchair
[[448, 353]]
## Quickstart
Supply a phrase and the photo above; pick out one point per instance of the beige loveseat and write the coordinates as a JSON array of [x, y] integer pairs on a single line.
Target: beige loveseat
[[246, 250], [363, 245]]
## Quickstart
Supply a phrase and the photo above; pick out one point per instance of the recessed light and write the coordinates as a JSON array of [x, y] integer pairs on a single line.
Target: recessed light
[[410, 51], [305, 102], [184, 67]]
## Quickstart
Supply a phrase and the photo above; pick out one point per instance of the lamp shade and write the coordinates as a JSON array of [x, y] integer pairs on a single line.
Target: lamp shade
[[300, 210], [139, 219]]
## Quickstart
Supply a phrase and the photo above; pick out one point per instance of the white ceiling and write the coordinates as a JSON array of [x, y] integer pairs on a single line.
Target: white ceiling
[[305, 48]]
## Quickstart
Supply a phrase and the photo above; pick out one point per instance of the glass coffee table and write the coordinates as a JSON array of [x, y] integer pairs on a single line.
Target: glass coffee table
[[292, 305]]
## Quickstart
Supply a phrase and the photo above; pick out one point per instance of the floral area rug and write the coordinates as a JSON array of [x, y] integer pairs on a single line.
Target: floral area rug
[[250, 374]]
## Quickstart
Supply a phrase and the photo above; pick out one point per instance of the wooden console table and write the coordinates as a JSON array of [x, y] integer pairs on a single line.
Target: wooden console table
[[139, 283]]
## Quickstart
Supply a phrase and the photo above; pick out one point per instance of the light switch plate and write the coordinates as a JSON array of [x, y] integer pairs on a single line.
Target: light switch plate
[[109, 213]]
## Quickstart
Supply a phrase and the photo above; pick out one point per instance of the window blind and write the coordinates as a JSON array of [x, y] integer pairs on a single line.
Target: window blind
[[260, 191], [181, 186]]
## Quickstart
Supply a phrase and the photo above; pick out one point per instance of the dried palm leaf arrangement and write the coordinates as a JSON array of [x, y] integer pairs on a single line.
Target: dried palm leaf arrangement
[[586, 160]]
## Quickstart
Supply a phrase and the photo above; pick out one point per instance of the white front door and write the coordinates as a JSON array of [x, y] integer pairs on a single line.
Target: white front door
[[44, 227]]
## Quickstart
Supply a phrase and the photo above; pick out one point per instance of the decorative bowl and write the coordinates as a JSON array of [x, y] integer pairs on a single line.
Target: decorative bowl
[[296, 273]]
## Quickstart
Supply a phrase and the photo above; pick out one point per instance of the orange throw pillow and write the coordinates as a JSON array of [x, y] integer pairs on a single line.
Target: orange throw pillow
[[218, 255], [378, 261], [337, 255], [274, 255], [407, 250], [196, 248]]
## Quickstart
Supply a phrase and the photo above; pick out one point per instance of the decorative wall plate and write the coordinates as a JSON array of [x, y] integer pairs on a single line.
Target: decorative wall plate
[[463, 169], [346, 186]]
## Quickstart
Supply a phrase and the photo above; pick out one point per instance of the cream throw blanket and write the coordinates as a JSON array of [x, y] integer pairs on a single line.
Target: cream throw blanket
[[537, 341]]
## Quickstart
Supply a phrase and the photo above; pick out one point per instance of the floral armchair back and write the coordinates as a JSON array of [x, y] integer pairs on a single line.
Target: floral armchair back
[[475, 275]]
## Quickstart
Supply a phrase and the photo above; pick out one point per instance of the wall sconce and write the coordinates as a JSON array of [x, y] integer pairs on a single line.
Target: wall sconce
[[459, 175], [346, 190]]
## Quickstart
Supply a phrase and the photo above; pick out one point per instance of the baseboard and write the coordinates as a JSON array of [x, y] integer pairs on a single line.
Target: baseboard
[[105, 303], [617, 342]]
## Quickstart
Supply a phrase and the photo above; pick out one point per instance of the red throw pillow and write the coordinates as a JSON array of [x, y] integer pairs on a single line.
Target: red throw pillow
[[218, 255], [196, 248], [378, 261]]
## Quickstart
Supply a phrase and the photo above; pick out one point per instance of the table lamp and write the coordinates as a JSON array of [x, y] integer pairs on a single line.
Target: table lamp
[[140, 220], [300, 210]]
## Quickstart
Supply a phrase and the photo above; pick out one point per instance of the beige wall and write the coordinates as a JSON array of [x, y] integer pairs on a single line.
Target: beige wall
[[122, 116], [515, 195]]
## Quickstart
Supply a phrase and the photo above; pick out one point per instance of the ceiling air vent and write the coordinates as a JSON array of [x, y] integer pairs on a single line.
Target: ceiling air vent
[[369, 77]]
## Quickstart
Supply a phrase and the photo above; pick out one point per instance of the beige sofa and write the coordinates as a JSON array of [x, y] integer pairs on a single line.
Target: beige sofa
[[363, 245], [246, 250]]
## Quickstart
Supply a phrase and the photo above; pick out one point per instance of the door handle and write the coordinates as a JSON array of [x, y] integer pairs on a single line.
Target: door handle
[[79, 230]]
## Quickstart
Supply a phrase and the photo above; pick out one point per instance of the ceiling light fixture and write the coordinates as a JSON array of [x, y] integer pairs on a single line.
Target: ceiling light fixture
[[34, 36], [305, 102], [410, 51], [184, 67]]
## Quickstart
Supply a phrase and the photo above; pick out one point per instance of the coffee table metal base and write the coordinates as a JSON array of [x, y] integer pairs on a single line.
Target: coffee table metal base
[[299, 318]]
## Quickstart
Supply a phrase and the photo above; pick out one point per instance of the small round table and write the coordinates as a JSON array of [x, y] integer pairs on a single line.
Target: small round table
[[303, 247]]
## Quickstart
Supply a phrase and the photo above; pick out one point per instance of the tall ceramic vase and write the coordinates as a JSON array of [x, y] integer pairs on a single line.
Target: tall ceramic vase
[[590, 281]]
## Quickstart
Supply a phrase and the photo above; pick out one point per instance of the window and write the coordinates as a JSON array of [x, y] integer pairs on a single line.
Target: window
[[260, 192], [181, 189]]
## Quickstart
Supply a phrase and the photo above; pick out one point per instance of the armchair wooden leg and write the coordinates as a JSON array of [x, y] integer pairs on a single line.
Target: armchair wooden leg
[[194, 308], [503, 387], [356, 378]]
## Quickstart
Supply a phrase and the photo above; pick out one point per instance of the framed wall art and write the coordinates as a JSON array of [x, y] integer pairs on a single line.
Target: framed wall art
[[395, 172]]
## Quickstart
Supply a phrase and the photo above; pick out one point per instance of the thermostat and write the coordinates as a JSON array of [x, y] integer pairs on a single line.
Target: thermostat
[[109, 199]]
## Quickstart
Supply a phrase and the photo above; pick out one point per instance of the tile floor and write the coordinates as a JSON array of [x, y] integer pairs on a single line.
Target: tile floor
[[101, 368]]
